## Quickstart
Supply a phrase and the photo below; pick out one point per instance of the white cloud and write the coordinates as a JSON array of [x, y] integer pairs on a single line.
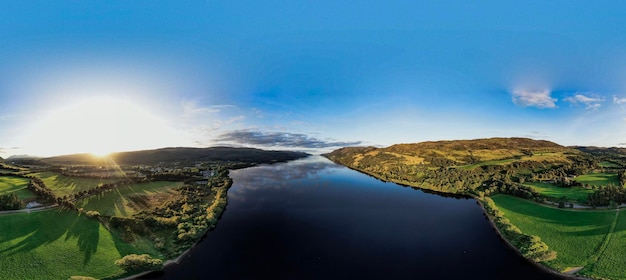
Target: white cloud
[[617, 100], [539, 99], [594, 106], [581, 98], [591, 102]]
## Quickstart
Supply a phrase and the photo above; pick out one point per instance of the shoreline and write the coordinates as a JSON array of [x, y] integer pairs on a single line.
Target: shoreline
[[508, 243], [186, 253], [493, 225]]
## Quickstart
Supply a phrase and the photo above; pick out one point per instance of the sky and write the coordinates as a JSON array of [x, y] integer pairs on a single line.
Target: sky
[[104, 76]]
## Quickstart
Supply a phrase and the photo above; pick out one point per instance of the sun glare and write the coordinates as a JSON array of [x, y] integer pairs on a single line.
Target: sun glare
[[99, 154], [98, 126]]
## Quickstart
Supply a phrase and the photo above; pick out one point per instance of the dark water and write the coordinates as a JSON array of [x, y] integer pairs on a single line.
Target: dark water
[[313, 219]]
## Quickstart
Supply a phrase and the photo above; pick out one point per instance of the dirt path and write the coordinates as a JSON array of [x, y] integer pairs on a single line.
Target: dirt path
[[30, 209]]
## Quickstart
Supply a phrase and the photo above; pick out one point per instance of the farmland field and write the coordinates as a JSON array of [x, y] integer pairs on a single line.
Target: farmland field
[[577, 194], [126, 200], [574, 234], [57, 244], [63, 185], [609, 164], [598, 179], [611, 262], [17, 185]]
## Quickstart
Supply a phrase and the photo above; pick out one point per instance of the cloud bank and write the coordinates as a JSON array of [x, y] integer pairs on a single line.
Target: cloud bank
[[282, 139], [540, 99]]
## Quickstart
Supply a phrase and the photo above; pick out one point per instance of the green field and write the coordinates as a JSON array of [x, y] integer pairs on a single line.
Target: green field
[[63, 185], [574, 234], [609, 164], [125, 200], [57, 244], [575, 194], [598, 179], [17, 185], [612, 260]]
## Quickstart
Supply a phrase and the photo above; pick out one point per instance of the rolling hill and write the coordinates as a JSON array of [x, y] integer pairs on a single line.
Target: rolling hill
[[181, 154], [462, 166]]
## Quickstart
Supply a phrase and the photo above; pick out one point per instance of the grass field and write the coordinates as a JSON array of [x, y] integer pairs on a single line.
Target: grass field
[[57, 244], [598, 179], [17, 185], [574, 235], [577, 194], [65, 186], [127, 200], [609, 164], [612, 261]]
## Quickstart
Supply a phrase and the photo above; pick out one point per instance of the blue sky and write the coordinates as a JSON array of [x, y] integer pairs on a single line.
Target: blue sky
[[307, 75]]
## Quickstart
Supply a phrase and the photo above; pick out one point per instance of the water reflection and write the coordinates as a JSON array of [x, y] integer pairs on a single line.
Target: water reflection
[[279, 176]]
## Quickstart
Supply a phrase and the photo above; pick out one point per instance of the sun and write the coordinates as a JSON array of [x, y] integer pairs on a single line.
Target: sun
[[98, 126], [100, 154]]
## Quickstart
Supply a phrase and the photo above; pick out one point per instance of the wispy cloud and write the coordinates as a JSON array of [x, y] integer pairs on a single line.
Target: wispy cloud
[[590, 102], [618, 100], [529, 98], [282, 139], [191, 108]]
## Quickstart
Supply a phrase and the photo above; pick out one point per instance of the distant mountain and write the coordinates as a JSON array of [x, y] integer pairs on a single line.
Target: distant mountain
[[22, 157], [181, 154], [600, 150]]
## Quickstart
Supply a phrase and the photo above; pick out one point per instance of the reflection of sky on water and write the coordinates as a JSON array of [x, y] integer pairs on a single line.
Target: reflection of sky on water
[[278, 176]]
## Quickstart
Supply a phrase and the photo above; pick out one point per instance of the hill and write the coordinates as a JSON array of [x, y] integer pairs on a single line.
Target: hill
[[601, 150], [463, 166], [222, 154]]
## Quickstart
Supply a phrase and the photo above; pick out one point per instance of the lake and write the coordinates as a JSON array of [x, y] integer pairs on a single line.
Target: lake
[[314, 219]]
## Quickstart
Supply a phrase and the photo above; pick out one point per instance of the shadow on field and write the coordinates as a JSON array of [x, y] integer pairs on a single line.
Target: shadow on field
[[108, 203], [43, 228], [87, 233]]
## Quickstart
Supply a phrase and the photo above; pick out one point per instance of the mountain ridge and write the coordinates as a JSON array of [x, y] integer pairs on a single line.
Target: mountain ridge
[[170, 154]]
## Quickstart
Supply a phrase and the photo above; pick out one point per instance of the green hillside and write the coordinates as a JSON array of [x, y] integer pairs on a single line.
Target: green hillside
[[463, 166]]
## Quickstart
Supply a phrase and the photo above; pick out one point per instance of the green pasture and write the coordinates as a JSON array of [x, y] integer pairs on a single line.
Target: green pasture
[[612, 258], [17, 185], [575, 235], [598, 179], [125, 200], [56, 244], [609, 164], [577, 194], [63, 185]]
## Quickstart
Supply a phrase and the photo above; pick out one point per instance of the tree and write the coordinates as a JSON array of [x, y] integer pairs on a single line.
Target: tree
[[135, 263], [10, 202]]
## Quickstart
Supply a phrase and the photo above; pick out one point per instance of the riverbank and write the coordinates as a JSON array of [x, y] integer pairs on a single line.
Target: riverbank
[[541, 266], [217, 212], [564, 275]]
